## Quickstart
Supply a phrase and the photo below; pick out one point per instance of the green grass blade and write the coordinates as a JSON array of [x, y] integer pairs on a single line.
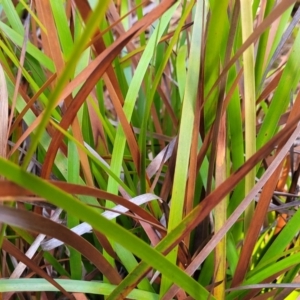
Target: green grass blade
[[73, 176], [284, 238], [75, 286], [185, 133], [63, 30], [90, 28], [18, 39], [110, 229], [128, 108], [281, 98], [12, 16], [266, 272], [250, 104], [130, 100]]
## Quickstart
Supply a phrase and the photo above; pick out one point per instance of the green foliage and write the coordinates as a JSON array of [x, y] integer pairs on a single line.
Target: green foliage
[[162, 134]]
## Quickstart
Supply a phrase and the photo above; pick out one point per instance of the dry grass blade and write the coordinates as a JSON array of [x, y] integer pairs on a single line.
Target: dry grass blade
[[50, 39], [263, 204], [9, 189], [233, 218], [98, 68], [35, 223], [33, 248], [18, 80], [15, 252]]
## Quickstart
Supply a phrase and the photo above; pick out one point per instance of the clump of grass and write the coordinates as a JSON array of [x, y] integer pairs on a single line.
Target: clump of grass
[[128, 170]]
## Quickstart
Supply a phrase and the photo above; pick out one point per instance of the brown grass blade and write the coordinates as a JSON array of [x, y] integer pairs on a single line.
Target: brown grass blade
[[220, 102], [15, 252], [131, 141], [51, 44], [262, 207], [19, 74], [111, 80], [36, 223], [206, 206], [99, 67], [9, 189], [30, 103]]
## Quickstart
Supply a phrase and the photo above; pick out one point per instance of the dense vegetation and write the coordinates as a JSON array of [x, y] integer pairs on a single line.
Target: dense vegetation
[[164, 134]]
